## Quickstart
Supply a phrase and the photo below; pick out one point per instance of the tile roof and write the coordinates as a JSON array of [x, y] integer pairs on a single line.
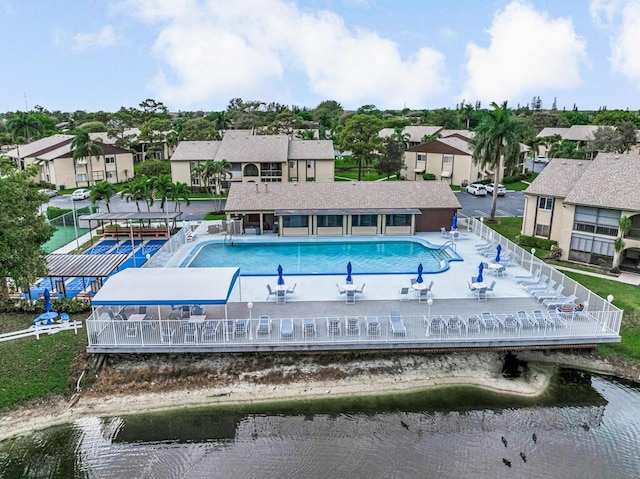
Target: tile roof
[[610, 181], [195, 151], [31, 149], [340, 196], [254, 149], [552, 131], [311, 150], [451, 145], [459, 133], [558, 178], [575, 133], [416, 133]]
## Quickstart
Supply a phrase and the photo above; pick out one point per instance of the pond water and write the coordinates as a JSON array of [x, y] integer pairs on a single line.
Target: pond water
[[584, 427]]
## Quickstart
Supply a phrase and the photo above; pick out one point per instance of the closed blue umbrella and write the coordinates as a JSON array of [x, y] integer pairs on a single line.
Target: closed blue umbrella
[[498, 248], [280, 278], [454, 224], [419, 278], [47, 300], [480, 268], [349, 280]]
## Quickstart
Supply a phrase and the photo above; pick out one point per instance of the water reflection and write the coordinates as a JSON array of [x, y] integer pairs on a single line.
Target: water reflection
[[580, 429]]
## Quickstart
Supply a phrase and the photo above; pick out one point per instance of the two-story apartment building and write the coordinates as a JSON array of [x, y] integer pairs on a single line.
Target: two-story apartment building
[[579, 203], [257, 158], [54, 156]]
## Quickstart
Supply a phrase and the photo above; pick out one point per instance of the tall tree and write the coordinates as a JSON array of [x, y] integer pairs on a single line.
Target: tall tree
[[136, 190], [359, 134], [24, 127], [162, 187], [83, 147], [103, 191], [180, 192], [391, 161], [496, 144], [23, 229]]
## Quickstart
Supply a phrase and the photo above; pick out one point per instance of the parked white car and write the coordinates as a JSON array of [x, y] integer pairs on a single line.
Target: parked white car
[[477, 189], [80, 194], [501, 189], [541, 159], [49, 192]]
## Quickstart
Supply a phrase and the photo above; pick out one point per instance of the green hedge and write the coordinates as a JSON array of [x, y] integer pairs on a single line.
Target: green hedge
[[532, 241], [66, 305], [54, 212], [428, 176]]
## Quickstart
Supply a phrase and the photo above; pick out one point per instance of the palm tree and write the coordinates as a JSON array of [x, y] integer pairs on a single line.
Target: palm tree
[[135, 190], [496, 144], [24, 125], [83, 146], [162, 185], [180, 192], [220, 171], [103, 191], [401, 137]]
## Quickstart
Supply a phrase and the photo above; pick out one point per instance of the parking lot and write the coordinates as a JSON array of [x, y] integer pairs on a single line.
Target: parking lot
[[511, 204]]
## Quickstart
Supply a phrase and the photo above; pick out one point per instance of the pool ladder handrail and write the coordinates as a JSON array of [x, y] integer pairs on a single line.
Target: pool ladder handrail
[[448, 243]]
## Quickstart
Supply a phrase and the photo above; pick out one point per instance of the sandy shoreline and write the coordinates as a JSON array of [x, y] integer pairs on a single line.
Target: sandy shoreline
[[233, 384]]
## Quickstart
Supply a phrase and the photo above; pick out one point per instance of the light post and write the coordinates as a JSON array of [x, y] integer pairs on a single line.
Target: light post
[[75, 223], [604, 323], [533, 255], [250, 306], [429, 303]]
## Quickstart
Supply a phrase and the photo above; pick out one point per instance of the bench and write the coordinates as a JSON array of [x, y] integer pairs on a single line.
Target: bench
[[153, 232]]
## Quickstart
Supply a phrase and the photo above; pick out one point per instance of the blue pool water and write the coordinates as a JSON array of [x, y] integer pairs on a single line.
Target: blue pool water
[[319, 257]]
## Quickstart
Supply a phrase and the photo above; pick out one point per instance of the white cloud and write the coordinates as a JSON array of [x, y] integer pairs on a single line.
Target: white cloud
[[622, 19], [528, 52], [216, 50], [104, 37]]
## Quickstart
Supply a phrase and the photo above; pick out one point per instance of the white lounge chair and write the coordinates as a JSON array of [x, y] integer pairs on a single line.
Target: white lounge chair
[[559, 302], [286, 328], [352, 326], [264, 325], [397, 325]]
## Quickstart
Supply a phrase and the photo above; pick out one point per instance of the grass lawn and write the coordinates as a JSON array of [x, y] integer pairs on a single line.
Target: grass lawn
[[367, 175], [510, 228], [213, 216], [627, 297], [35, 368]]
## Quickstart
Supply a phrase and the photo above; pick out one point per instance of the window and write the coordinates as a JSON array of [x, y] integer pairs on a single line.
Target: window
[[81, 177], [398, 220], [596, 220], [111, 174], [251, 170], [589, 249], [292, 164], [110, 160], [195, 181], [422, 157], [311, 163], [364, 220], [329, 221], [545, 203], [447, 159], [542, 230], [295, 221]]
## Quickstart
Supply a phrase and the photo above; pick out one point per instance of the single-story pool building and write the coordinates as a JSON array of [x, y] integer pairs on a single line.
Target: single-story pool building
[[342, 208]]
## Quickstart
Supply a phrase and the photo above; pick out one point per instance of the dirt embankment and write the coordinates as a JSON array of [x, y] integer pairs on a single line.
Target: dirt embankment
[[137, 384]]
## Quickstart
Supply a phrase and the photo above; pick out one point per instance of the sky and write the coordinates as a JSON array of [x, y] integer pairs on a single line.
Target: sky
[[421, 54]]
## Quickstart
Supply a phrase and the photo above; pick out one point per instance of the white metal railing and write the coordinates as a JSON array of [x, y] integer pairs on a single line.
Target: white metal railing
[[529, 262], [167, 250], [353, 330]]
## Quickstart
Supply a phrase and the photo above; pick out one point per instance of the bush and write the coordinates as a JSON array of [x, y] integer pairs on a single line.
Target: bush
[[532, 241], [554, 252], [428, 176], [66, 305], [54, 212]]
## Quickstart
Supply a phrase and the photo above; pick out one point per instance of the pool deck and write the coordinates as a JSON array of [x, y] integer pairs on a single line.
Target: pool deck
[[316, 299]]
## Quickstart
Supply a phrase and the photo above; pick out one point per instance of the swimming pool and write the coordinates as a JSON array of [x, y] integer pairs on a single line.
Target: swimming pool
[[322, 257]]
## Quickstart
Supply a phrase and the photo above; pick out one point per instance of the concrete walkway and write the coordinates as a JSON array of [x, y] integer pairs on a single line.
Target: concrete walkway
[[624, 277]]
